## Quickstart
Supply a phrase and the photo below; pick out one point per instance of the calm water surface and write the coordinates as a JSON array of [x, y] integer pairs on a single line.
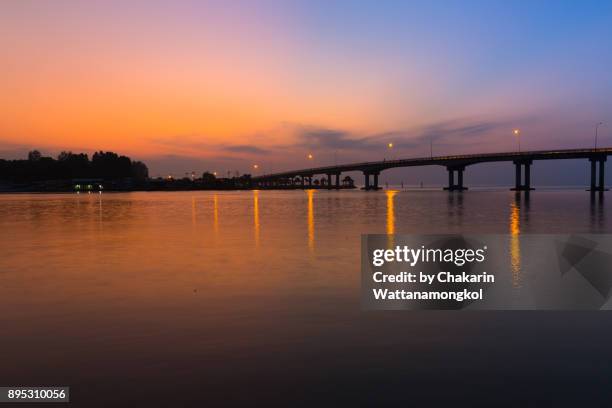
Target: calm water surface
[[236, 298]]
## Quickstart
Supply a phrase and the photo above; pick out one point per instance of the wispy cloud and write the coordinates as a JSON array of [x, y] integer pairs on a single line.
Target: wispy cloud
[[449, 132], [326, 138], [456, 132]]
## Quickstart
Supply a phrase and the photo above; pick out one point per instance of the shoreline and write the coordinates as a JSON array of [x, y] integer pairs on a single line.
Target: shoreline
[[395, 188]]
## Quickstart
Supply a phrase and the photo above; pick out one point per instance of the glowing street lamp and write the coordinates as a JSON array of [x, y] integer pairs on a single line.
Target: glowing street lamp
[[517, 133], [256, 166], [310, 156], [389, 147]]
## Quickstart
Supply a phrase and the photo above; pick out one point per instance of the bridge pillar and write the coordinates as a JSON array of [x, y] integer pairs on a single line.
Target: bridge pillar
[[602, 171], [367, 180], [375, 181], [517, 177], [452, 186], [329, 181], [519, 185], [593, 173], [337, 181]]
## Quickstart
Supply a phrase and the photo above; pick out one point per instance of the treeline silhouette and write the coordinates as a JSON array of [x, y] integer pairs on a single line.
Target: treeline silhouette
[[68, 165]]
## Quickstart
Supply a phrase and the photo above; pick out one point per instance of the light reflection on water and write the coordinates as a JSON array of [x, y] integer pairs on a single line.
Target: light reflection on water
[[390, 218], [256, 216], [216, 213], [311, 221], [209, 287], [515, 244], [390, 212]]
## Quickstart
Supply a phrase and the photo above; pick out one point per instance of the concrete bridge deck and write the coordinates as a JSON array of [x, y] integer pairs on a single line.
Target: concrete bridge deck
[[454, 164]]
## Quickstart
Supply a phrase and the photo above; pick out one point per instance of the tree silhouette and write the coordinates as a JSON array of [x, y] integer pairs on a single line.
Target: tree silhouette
[[104, 165], [208, 178], [140, 170], [34, 155]]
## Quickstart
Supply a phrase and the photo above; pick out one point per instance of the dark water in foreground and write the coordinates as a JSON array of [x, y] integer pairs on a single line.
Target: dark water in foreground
[[246, 298]]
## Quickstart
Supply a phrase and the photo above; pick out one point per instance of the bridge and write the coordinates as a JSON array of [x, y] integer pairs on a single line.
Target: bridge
[[454, 165]]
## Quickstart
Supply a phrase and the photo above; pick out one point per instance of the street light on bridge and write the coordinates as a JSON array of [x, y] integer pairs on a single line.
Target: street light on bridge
[[390, 147], [517, 133]]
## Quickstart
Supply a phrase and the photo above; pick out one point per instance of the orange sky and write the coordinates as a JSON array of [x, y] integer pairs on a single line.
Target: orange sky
[[120, 83]]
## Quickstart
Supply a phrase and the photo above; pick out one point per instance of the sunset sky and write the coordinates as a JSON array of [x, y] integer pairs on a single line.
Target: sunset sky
[[198, 85]]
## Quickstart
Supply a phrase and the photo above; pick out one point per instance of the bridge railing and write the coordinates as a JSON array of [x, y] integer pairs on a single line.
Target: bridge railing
[[478, 157]]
